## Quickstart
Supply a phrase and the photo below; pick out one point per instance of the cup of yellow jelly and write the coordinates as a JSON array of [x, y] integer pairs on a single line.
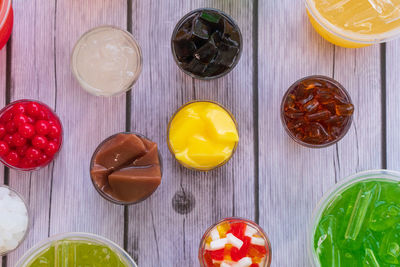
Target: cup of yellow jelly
[[202, 135], [355, 23]]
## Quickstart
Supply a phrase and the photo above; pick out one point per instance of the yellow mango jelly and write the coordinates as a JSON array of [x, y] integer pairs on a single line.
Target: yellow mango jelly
[[355, 23], [202, 135]]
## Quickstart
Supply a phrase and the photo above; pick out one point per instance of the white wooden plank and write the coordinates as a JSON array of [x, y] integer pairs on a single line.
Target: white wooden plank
[[158, 235], [292, 177], [42, 42], [358, 70], [392, 104], [87, 120], [32, 77]]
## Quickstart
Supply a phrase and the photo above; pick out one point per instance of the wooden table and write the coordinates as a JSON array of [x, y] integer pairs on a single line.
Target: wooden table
[[270, 179]]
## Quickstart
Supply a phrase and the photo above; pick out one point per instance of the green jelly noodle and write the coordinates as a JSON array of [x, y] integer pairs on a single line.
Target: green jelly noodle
[[360, 226], [73, 253]]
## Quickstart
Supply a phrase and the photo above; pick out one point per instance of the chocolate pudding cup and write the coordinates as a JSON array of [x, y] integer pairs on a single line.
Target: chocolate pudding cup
[[108, 196]]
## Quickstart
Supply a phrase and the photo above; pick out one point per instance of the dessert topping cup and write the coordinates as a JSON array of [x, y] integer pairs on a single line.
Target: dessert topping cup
[[235, 242], [355, 24], [126, 168], [357, 223], [106, 61], [76, 249], [30, 135], [202, 135], [316, 111], [206, 43], [14, 220]]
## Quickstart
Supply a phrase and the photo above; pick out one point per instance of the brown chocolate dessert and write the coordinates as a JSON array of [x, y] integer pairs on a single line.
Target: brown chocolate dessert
[[126, 168]]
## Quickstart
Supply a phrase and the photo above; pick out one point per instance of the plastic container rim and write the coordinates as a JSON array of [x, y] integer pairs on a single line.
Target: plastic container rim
[[331, 193]]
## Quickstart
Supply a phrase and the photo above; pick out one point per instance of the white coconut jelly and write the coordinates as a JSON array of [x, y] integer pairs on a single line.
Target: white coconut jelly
[[106, 61], [13, 220]]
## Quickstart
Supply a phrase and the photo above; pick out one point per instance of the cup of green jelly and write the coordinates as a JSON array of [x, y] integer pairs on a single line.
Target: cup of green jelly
[[76, 249], [357, 223]]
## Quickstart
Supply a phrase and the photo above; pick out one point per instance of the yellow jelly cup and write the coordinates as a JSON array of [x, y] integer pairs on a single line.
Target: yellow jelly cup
[[340, 37], [189, 162]]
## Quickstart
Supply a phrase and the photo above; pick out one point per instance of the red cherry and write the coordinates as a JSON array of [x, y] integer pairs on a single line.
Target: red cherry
[[42, 115], [42, 127], [39, 141], [55, 131], [4, 148], [26, 130], [7, 116], [11, 127], [12, 158], [51, 148], [20, 119], [9, 140], [33, 153], [52, 122], [21, 150], [18, 140], [2, 130], [30, 120], [19, 108], [33, 109], [43, 159]]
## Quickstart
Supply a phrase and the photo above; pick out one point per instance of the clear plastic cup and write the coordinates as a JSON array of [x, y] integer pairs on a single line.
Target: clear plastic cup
[[332, 193], [6, 21], [341, 37], [32, 253], [15, 193]]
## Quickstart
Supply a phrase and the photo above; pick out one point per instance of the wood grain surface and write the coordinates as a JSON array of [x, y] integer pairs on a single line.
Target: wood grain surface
[[270, 179]]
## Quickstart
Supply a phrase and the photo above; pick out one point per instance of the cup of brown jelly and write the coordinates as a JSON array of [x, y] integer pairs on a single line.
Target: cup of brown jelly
[[206, 43], [316, 111]]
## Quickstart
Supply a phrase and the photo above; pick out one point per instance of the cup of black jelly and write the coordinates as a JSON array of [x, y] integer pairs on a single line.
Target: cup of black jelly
[[206, 43]]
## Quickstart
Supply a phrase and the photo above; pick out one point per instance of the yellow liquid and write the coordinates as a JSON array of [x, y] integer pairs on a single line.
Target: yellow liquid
[[355, 18], [202, 135]]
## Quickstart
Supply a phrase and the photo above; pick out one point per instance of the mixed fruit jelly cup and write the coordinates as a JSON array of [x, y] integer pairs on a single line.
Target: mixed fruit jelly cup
[[103, 194], [207, 234], [339, 87], [332, 193], [188, 16], [135, 44], [74, 236], [54, 117], [172, 151], [29, 219], [334, 35], [6, 21]]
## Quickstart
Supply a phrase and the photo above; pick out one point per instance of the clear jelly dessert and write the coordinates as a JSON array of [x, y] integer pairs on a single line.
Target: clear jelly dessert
[[76, 249], [235, 242], [316, 111], [126, 168], [6, 21], [206, 43], [30, 135], [358, 222], [202, 135], [355, 23], [106, 61], [14, 219]]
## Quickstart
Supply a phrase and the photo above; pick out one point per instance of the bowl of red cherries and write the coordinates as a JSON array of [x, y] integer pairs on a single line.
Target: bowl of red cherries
[[30, 135]]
